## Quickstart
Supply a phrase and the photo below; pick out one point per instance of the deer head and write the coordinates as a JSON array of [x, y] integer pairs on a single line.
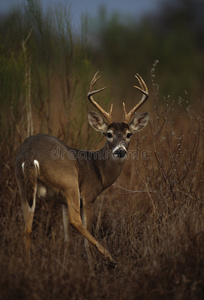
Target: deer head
[[118, 134]]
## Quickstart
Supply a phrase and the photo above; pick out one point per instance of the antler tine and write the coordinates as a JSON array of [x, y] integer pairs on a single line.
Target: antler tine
[[90, 94], [142, 88]]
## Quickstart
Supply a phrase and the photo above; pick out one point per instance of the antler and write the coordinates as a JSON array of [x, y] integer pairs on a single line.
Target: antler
[[143, 88], [106, 115]]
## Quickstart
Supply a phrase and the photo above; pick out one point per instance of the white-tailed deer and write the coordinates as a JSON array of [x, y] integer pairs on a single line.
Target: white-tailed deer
[[45, 164]]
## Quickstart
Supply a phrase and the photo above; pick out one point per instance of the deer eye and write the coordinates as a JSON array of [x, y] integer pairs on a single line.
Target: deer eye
[[109, 135], [128, 135]]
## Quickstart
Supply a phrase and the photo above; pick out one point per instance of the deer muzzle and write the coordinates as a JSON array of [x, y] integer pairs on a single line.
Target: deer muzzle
[[120, 151]]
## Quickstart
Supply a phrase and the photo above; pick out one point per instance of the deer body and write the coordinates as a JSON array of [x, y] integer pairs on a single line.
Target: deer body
[[45, 166], [90, 169]]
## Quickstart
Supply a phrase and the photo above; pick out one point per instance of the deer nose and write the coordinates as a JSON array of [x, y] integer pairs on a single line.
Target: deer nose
[[120, 153]]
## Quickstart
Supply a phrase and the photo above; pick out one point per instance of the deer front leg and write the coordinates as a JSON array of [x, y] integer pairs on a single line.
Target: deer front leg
[[87, 219], [73, 202], [65, 223]]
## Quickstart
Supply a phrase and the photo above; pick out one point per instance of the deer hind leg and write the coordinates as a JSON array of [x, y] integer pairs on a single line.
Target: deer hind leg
[[28, 219], [73, 201], [27, 182]]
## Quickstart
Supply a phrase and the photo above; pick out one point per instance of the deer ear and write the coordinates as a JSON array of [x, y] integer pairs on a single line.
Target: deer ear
[[139, 122], [97, 122]]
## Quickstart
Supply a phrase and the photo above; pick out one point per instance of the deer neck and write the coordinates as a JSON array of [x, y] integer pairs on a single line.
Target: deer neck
[[109, 167]]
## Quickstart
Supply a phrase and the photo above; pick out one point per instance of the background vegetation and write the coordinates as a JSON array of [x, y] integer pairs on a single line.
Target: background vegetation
[[151, 219]]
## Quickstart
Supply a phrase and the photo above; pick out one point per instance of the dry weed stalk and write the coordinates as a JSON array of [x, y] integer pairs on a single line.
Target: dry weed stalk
[[27, 61]]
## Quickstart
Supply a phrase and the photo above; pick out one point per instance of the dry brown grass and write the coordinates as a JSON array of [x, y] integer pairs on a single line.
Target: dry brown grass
[[151, 221]]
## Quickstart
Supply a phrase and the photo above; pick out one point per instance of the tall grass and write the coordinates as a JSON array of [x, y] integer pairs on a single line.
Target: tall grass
[[43, 61]]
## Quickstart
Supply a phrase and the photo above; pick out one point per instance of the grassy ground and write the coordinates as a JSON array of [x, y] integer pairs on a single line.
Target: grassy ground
[[151, 221]]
